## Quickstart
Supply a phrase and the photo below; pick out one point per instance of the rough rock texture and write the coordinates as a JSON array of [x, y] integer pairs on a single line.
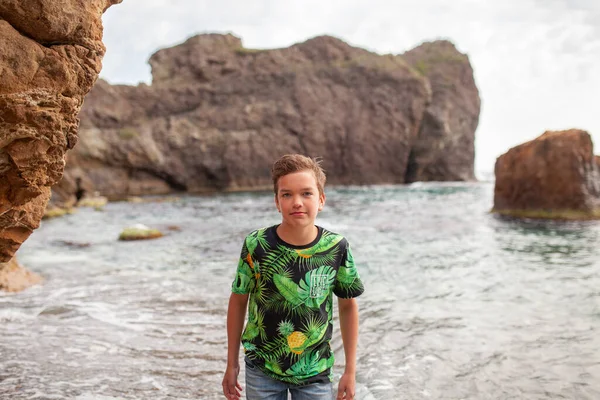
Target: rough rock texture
[[217, 115], [14, 278], [50, 57], [554, 175], [445, 147]]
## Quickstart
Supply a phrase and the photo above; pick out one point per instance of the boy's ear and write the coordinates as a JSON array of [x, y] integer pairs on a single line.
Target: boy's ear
[[277, 204], [321, 201]]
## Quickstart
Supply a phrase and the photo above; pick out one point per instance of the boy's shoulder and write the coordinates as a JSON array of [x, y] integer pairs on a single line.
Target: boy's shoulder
[[327, 232], [262, 236], [260, 232], [329, 238]]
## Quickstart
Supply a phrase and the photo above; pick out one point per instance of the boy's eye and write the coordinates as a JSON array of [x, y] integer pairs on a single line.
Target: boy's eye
[[308, 193], [285, 195]]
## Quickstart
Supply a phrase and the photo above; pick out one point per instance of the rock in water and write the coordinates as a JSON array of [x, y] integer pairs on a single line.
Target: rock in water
[[139, 232], [14, 278], [555, 176]]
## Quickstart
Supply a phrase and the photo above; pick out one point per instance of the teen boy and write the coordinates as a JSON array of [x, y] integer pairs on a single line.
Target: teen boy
[[286, 278]]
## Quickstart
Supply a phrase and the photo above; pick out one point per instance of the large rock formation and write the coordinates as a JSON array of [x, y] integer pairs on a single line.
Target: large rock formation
[[50, 57], [217, 115], [445, 147], [554, 176]]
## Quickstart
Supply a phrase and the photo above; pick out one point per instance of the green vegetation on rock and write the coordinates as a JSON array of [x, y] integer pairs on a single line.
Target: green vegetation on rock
[[128, 133], [139, 232], [245, 51], [55, 212]]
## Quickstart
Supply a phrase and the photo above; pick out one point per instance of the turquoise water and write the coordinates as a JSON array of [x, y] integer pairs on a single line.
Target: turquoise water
[[459, 304]]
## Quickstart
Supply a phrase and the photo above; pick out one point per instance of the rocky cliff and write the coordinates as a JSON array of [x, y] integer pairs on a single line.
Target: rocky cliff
[[218, 114], [50, 57], [554, 176], [445, 146]]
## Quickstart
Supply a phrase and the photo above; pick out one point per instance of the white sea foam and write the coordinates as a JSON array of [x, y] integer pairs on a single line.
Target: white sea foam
[[90, 396], [43, 395], [151, 381], [53, 257], [9, 315], [102, 312]]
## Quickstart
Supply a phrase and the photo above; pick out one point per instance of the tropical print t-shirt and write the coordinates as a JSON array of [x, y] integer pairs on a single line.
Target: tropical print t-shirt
[[290, 308]]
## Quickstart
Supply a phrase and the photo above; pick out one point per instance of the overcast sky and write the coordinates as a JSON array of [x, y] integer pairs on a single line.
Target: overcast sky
[[536, 62]]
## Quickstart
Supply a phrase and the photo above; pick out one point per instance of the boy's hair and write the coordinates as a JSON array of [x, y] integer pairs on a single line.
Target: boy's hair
[[290, 163]]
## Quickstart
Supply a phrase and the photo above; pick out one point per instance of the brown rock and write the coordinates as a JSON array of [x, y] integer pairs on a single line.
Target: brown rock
[[445, 146], [217, 115], [14, 278], [553, 176], [50, 57]]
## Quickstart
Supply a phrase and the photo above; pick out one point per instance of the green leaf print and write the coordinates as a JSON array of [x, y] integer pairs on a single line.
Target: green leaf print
[[251, 243], [307, 365], [255, 325], [348, 281], [240, 284], [327, 242], [274, 367], [349, 258], [346, 276], [260, 291], [256, 238], [248, 346], [251, 331], [312, 365], [318, 259], [261, 237], [244, 278], [314, 331], [288, 289], [277, 260], [321, 253], [275, 302], [244, 268], [274, 350], [256, 268], [325, 363]]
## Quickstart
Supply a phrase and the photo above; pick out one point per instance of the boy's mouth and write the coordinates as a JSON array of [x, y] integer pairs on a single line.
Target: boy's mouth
[[297, 213]]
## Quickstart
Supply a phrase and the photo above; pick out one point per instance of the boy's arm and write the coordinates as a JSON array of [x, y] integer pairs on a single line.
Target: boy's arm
[[236, 314], [348, 309]]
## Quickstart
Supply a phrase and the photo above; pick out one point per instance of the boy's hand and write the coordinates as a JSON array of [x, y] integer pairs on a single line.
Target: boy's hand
[[346, 387], [231, 387]]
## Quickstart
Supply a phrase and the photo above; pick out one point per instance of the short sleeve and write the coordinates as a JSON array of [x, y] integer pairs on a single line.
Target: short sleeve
[[245, 276], [347, 280]]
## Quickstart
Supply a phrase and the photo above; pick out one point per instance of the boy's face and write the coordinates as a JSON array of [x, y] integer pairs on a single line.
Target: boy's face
[[298, 199]]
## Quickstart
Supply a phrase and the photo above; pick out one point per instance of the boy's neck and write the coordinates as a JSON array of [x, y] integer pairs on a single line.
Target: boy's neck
[[297, 236]]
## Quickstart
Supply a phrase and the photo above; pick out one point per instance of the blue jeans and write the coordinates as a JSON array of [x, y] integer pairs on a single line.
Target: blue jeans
[[261, 387]]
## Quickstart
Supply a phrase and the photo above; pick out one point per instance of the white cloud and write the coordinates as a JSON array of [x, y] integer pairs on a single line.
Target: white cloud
[[534, 60]]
